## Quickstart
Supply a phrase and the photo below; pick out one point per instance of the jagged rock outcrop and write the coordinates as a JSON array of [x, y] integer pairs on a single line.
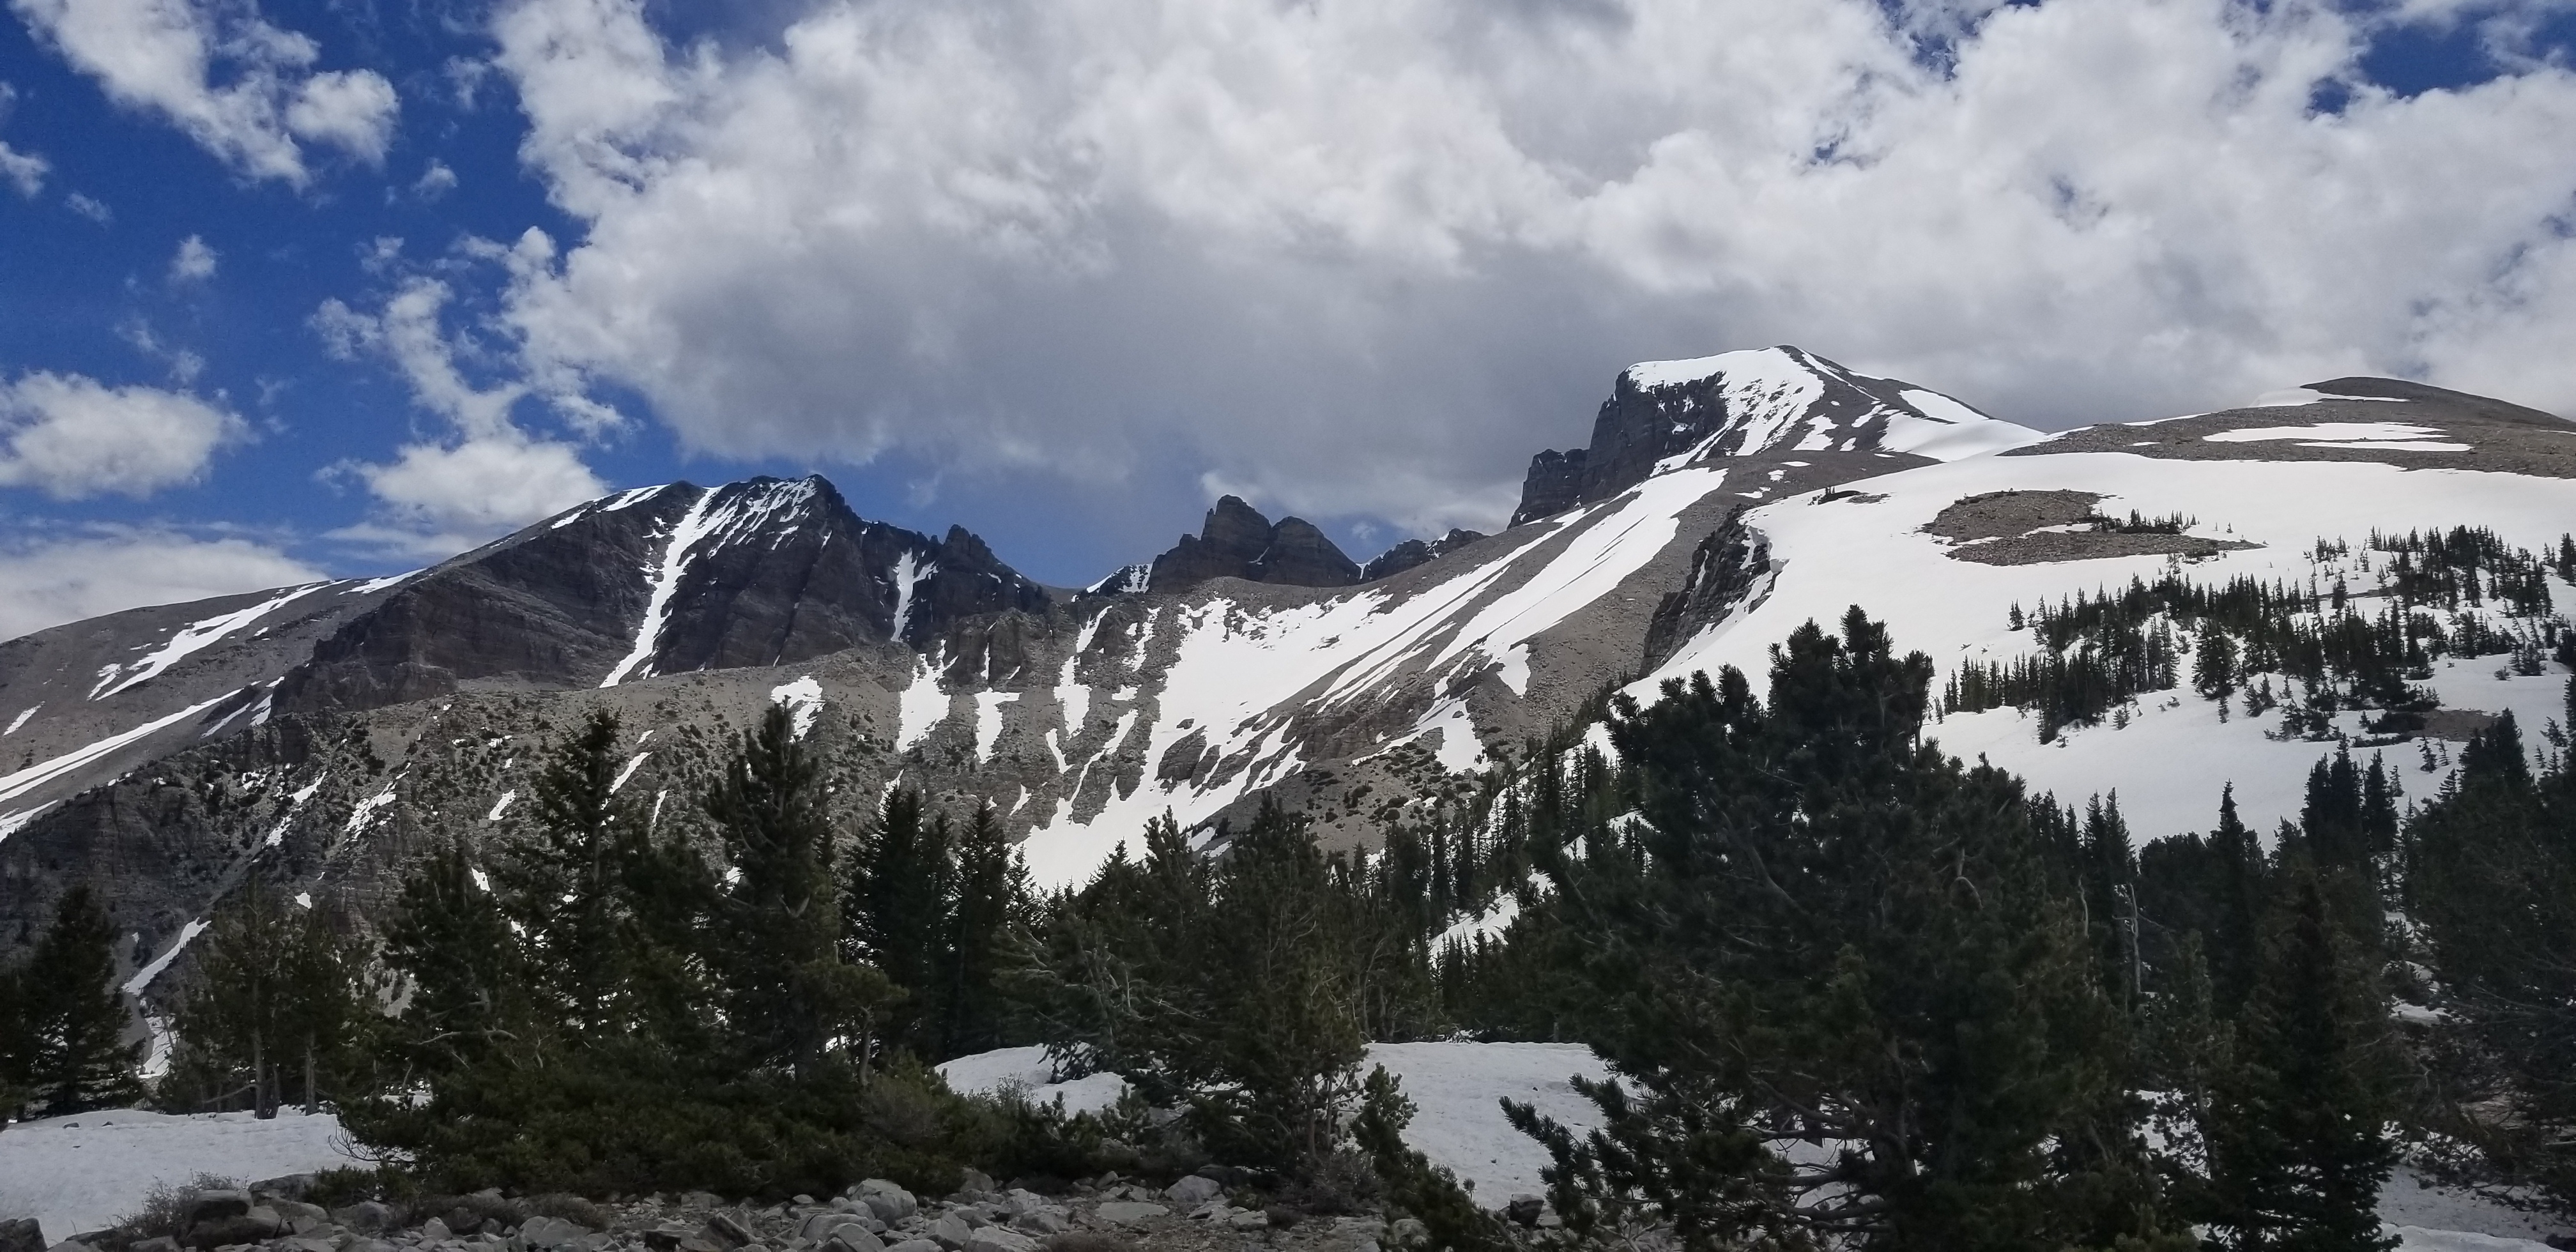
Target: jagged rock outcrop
[[1413, 552], [1727, 568], [1236, 541], [1554, 484], [1775, 402]]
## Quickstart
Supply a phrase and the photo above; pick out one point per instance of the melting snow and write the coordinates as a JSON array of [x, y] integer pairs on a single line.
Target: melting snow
[[2362, 432], [743, 513], [804, 701], [34, 776], [501, 805], [633, 764], [909, 570], [192, 638], [21, 719], [988, 720], [921, 708], [143, 977]]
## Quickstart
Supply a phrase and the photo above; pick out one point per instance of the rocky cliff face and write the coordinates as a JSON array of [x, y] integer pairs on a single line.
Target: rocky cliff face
[[1414, 552], [1776, 402], [1236, 541], [660, 580]]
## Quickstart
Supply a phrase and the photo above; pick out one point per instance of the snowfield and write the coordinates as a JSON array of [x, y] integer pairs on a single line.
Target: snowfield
[[2171, 759], [91, 1170]]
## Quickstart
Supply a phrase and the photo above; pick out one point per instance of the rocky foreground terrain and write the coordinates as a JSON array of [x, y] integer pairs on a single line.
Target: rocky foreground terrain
[[1217, 1209]]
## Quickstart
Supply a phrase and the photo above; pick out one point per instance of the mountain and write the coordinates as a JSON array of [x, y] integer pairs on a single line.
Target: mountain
[[1668, 415], [330, 732]]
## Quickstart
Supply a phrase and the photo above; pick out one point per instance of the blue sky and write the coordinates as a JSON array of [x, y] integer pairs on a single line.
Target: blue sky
[[338, 288]]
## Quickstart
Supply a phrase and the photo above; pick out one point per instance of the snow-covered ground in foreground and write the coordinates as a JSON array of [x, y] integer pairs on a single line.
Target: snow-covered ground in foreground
[[87, 1171], [1457, 1090]]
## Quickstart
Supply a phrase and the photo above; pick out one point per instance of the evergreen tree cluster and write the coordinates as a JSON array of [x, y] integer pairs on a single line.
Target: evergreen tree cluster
[[62, 1021], [2461, 593], [2490, 881], [740, 1001]]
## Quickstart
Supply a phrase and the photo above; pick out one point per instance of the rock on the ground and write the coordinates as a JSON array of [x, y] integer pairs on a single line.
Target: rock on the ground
[[22, 1235], [997, 1239], [1194, 1190], [1130, 1212]]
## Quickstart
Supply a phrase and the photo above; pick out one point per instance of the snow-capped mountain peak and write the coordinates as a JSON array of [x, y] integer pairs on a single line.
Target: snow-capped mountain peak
[[1766, 402]]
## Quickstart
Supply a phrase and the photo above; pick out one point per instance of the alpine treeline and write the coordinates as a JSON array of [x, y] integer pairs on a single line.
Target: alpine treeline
[[2343, 642], [1854, 992]]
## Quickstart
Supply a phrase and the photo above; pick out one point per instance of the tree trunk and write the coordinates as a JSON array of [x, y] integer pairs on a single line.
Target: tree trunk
[[312, 1105], [259, 1077]]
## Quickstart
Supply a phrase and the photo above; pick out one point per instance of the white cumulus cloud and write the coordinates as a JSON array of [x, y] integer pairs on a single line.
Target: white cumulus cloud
[[49, 579], [489, 476], [73, 437], [244, 89], [194, 262], [1364, 256]]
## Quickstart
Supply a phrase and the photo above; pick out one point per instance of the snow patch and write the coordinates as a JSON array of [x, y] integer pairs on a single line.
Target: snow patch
[[804, 701], [143, 977], [21, 719], [89, 1170], [988, 720], [192, 638], [15, 785], [921, 708], [501, 805], [633, 764], [2345, 432]]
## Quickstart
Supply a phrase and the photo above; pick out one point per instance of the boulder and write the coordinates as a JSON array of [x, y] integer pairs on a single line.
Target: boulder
[[284, 1187], [1194, 1190], [1130, 1212], [435, 1231], [889, 1202], [852, 1237], [975, 1180], [542, 1234], [728, 1231], [996, 1239], [208, 1206], [366, 1217], [915, 1245], [21, 1234], [1524, 1209], [158, 1243], [1247, 1219], [950, 1231]]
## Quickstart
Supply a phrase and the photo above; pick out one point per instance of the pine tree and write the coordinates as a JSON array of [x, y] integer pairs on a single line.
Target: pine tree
[[902, 883], [790, 993], [1840, 935], [451, 946], [991, 906], [233, 1021], [563, 880], [75, 1015], [17, 1042], [275, 997], [2296, 1133]]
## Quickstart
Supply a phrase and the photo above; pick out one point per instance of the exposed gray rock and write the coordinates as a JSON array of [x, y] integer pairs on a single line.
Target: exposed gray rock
[[950, 1231], [999, 1239], [1130, 1212], [1726, 569], [1416, 552], [1236, 541], [1553, 485], [1194, 1190], [21, 1234]]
